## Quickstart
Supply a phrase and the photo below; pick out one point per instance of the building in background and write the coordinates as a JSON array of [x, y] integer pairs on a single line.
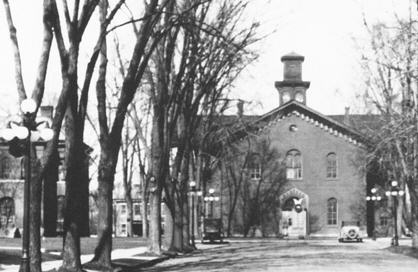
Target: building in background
[[321, 158], [12, 177]]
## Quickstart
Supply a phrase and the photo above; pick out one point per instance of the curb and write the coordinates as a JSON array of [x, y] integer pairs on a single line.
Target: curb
[[118, 263]]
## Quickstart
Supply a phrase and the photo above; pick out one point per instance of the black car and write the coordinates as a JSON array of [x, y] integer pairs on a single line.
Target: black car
[[212, 230]]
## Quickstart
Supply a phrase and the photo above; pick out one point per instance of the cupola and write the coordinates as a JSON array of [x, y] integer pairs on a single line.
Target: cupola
[[292, 87]]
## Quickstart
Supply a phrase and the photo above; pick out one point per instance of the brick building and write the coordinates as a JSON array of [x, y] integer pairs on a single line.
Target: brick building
[[12, 177], [320, 158]]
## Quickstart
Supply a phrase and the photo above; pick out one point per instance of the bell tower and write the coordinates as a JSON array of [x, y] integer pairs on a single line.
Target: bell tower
[[292, 87]]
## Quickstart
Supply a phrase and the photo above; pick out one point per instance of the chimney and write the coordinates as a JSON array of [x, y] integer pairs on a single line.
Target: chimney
[[240, 108], [46, 111], [347, 116]]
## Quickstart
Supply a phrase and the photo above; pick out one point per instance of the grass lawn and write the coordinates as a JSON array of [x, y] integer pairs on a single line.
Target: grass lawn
[[88, 244]]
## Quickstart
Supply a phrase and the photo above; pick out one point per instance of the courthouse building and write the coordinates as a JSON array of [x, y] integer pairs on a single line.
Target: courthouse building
[[322, 157]]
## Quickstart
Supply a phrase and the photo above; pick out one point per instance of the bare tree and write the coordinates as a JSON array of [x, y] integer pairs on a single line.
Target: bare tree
[[212, 52], [391, 65], [37, 95], [147, 37], [76, 198]]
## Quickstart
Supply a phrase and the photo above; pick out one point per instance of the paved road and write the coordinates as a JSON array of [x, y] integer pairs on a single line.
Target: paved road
[[297, 255]]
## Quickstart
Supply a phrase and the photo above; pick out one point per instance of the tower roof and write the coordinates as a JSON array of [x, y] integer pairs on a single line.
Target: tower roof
[[293, 56]]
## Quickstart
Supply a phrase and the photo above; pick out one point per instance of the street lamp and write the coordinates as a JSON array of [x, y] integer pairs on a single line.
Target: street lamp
[[18, 134], [374, 198], [395, 191], [211, 198]]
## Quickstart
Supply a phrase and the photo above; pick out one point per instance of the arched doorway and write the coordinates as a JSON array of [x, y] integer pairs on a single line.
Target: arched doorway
[[294, 222]]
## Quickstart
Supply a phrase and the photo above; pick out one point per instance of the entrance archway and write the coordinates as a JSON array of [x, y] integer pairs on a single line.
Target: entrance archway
[[293, 223]]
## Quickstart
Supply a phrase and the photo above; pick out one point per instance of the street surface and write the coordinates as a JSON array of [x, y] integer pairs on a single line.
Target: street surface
[[292, 255]]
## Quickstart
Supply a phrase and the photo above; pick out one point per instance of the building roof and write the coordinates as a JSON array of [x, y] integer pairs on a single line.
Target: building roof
[[354, 128], [293, 56]]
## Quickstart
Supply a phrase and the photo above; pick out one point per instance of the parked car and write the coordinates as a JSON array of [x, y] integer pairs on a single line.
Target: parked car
[[212, 230], [350, 232]]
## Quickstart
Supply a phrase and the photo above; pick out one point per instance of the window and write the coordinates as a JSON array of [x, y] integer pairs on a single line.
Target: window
[[123, 229], [5, 167], [123, 209], [332, 211], [137, 209], [331, 165], [254, 167], [384, 221], [7, 211], [293, 165]]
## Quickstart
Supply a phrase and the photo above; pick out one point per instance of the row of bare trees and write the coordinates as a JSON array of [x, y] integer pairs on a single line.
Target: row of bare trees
[[185, 56], [390, 64]]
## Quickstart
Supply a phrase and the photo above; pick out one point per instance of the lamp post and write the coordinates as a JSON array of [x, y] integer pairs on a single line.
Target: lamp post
[[374, 198], [192, 185], [211, 198], [19, 134], [395, 191]]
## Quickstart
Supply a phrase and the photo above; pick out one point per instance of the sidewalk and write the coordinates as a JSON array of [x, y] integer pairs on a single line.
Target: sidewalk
[[127, 259], [130, 259]]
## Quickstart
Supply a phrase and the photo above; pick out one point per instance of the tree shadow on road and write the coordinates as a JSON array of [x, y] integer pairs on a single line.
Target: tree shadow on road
[[272, 255]]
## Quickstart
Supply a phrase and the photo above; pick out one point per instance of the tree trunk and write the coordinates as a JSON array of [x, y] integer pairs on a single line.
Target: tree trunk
[[413, 191], [103, 251], [412, 184], [184, 186], [129, 205], [399, 215], [50, 198], [144, 211], [177, 244], [154, 241], [414, 211], [168, 228], [159, 169], [73, 181], [186, 227]]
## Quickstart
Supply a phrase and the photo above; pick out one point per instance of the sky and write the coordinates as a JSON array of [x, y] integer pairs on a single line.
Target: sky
[[326, 32]]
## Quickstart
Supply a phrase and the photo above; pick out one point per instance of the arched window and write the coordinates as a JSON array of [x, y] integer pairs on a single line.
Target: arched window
[[331, 165], [7, 212], [294, 164], [254, 167], [332, 211], [5, 171]]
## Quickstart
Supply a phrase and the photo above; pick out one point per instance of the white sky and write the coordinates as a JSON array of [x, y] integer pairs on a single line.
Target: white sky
[[321, 30], [324, 32]]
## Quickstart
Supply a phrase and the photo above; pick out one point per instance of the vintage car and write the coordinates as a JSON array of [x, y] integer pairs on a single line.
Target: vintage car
[[212, 230], [350, 232]]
